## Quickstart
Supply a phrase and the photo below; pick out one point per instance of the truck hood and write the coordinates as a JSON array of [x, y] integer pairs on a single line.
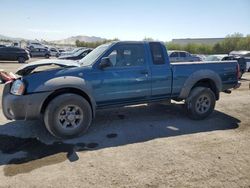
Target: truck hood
[[28, 68]]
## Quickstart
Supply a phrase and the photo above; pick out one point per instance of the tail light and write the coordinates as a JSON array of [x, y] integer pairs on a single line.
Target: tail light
[[238, 71]]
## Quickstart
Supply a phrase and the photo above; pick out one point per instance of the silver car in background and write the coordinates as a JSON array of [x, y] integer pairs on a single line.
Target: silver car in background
[[54, 52], [182, 56]]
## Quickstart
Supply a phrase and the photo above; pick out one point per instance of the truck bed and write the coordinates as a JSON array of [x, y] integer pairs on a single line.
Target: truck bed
[[225, 70]]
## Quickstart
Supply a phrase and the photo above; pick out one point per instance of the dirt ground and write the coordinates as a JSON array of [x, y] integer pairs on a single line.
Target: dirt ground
[[138, 146]]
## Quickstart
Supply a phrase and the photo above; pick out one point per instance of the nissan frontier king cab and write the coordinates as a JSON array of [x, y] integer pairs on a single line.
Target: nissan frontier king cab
[[66, 94]]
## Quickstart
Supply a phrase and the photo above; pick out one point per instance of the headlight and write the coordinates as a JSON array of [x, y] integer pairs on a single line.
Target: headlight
[[17, 88]]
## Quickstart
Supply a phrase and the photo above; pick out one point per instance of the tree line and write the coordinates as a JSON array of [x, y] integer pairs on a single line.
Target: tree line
[[232, 42]]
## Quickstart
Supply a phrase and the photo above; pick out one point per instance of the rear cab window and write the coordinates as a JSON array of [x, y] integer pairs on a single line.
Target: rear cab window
[[157, 53]]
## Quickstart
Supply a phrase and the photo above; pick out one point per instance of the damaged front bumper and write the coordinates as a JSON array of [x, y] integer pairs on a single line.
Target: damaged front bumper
[[24, 107]]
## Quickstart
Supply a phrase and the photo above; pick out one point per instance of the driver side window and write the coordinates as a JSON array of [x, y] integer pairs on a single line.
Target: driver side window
[[127, 55], [112, 57]]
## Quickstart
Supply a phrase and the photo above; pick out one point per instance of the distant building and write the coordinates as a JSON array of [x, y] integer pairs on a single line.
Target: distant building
[[210, 41]]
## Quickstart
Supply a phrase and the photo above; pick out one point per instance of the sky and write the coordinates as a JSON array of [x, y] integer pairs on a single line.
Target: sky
[[124, 19]]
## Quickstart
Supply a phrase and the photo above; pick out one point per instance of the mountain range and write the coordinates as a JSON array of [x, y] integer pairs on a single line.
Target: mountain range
[[70, 40], [3, 37]]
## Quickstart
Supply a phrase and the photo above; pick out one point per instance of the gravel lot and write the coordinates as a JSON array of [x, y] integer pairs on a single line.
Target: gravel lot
[[139, 146]]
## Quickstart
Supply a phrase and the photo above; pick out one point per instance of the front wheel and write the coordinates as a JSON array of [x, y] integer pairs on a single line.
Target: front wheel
[[68, 116], [200, 103]]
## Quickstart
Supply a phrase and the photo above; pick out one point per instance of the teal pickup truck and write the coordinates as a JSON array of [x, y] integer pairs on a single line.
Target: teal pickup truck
[[66, 93]]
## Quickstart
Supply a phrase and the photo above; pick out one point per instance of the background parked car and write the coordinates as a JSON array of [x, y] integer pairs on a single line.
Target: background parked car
[[182, 56], [40, 52], [77, 56], [215, 57], [32, 45], [242, 61], [71, 52], [54, 52], [61, 50], [245, 54], [14, 54], [201, 56], [241, 53], [16, 44], [247, 64]]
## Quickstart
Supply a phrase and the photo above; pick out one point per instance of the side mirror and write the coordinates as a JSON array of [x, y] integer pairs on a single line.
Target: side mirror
[[105, 62]]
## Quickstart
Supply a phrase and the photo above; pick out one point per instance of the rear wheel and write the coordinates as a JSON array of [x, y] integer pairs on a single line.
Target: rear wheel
[[68, 116], [47, 56], [21, 60], [200, 103]]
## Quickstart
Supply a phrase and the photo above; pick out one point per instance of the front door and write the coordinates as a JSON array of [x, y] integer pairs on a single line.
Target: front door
[[127, 80]]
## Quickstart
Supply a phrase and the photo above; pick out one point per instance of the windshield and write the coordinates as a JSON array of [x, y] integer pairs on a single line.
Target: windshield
[[94, 55]]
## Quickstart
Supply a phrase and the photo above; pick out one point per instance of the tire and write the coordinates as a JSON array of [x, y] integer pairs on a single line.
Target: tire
[[68, 116], [21, 60], [46, 56], [200, 103]]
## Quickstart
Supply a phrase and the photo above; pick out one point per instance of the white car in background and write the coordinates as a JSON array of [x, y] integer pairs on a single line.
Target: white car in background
[[32, 45], [215, 57], [54, 52], [241, 53], [72, 51], [176, 56]]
